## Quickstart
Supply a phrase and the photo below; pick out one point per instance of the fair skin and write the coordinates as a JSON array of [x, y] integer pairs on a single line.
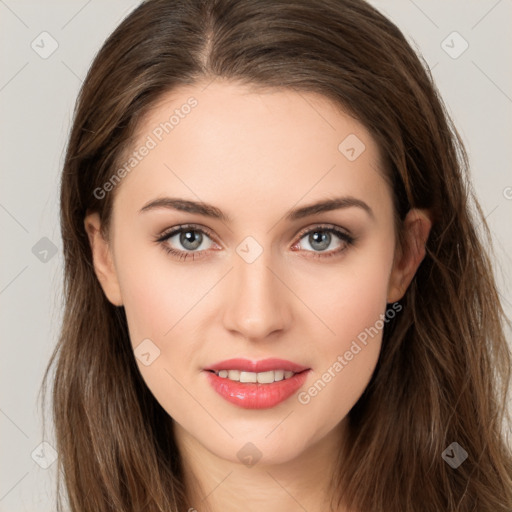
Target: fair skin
[[255, 156]]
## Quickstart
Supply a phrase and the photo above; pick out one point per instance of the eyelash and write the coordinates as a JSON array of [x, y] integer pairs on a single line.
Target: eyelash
[[183, 255]]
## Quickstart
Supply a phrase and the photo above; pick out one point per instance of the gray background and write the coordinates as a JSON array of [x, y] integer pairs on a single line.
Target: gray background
[[36, 100]]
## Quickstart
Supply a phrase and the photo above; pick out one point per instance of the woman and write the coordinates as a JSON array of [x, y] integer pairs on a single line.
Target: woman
[[275, 291]]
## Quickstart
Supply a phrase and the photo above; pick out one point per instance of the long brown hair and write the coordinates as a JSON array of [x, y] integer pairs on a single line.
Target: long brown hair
[[444, 370]]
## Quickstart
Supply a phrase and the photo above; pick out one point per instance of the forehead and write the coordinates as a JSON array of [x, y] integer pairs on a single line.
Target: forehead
[[246, 146]]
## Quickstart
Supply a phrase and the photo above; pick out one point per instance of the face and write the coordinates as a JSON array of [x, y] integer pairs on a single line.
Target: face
[[261, 279]]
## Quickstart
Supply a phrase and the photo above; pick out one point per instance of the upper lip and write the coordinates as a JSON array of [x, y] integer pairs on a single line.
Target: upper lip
[[264, 365]]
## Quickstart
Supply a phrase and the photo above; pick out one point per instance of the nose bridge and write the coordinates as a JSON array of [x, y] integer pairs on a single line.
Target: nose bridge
[[257, 303]]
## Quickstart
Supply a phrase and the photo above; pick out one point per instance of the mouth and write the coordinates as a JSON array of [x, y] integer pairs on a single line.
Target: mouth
[[261, 377], [256, 384]]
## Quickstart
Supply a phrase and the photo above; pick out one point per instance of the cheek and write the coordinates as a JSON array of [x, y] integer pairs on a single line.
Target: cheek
[[156, 293], [157, 297], [352, 296], [353, 306]]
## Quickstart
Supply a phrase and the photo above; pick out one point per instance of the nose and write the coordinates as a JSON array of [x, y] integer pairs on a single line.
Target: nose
[[258, 303]]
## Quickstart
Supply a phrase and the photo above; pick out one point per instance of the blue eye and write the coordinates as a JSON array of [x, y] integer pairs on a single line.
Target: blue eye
[[320, 238], [192, 238]]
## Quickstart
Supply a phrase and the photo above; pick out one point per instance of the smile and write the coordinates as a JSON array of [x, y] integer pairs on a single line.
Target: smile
[[256, 384], [261, 377]]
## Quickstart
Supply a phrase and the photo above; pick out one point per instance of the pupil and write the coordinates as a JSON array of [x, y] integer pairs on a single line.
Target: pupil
[[187, 239], [322, 238]]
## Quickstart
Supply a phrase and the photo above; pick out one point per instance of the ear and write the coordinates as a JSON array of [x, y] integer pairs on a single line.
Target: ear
[[416, 227], [102, 259]]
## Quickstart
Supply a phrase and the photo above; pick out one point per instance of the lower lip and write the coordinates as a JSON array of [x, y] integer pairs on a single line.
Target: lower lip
[[253, 395]]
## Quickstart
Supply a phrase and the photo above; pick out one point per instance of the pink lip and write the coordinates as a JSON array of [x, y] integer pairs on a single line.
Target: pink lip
[[253, 395], [265, 365]]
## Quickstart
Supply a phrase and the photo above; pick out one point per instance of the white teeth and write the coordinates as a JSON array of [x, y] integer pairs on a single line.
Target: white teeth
[[248, 377], [265, 377], [233, 374], [261, 377]]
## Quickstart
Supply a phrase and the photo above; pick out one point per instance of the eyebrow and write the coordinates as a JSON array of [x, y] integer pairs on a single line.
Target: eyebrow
[[209, 210]]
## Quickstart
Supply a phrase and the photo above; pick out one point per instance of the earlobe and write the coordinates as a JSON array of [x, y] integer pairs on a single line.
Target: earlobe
[[416, 225], [102, 259]]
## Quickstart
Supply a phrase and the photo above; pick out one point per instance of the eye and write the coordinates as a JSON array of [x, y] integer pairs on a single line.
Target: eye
[[192, 240], [320, 238], [190, 237]]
